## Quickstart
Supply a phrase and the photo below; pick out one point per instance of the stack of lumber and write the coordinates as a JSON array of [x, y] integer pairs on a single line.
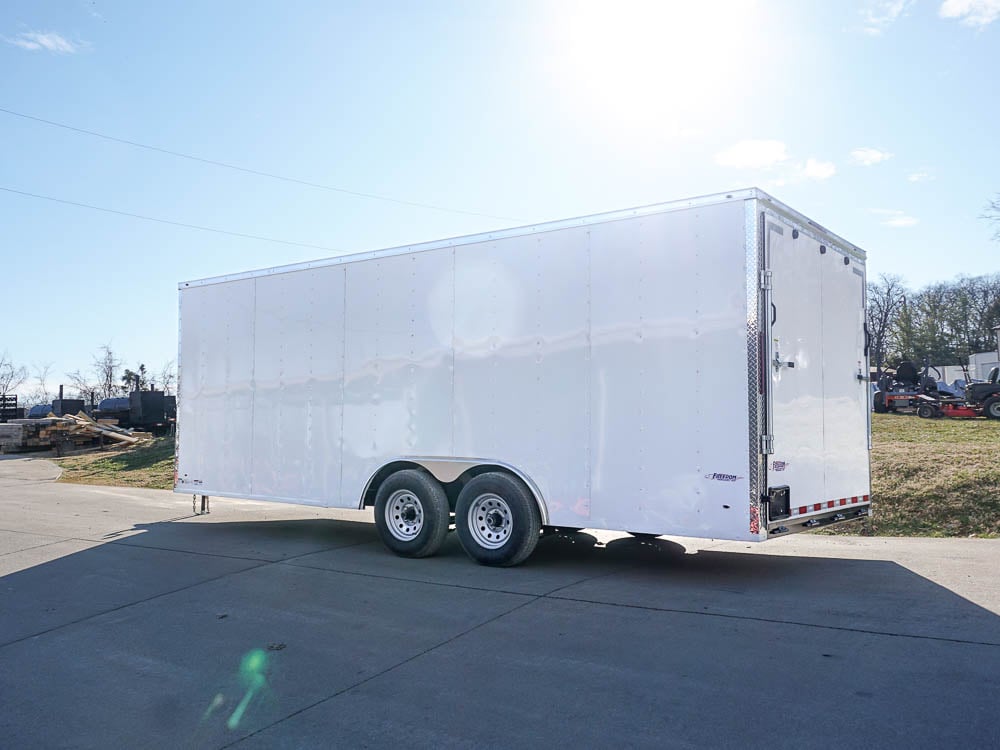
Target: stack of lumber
[[11, 436], [61, 432]]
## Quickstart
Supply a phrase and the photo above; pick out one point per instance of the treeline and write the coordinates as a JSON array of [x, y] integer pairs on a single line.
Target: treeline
[[106, 377], [941, 324]]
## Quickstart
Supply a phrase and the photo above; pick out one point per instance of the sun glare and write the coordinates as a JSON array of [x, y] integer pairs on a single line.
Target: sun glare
[[655, 67]]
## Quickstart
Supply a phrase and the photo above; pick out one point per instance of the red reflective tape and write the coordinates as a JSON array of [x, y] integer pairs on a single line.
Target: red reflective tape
[[802, 509]]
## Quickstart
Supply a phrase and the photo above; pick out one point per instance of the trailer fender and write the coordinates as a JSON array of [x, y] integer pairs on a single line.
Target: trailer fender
[[447, 470]]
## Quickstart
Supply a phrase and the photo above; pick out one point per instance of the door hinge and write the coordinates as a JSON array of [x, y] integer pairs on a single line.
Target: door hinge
[[765, 278], [767, 444]]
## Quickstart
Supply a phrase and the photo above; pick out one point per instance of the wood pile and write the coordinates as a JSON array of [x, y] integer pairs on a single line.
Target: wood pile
[[66, 432], [11, 436]]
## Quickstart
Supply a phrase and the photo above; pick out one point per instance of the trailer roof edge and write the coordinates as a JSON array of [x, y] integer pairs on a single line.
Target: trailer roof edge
[[655, 208]]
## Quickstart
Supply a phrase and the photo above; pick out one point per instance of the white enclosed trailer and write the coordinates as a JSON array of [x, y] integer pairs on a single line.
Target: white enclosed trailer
[[696, 368]]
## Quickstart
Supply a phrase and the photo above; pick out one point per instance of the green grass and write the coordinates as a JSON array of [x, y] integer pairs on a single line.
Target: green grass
[[933, 477], [149, 464]]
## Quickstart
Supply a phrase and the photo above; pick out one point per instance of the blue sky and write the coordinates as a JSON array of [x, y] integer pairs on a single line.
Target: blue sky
[[877, 119]]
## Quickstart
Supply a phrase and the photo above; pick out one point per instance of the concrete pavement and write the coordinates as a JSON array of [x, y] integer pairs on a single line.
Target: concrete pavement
[[126, 621]]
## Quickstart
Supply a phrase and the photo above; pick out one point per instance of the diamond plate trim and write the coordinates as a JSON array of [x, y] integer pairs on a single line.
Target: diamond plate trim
[[754, 253]]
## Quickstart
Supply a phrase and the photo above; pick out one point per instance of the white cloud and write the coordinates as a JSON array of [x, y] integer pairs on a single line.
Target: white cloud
[[920, 177], [869, 156], [879, 16], [977, 13], [895, 218], [819, 170], [49, 41], [773, 156], [753, 154]]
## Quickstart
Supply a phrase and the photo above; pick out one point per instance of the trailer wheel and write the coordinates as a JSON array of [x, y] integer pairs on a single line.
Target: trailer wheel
[[497, 520], [991, 407], [878, 403], [411, 513], [926, 411]]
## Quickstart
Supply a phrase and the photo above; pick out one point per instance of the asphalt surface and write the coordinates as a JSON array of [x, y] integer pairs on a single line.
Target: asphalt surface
[[125, 621]]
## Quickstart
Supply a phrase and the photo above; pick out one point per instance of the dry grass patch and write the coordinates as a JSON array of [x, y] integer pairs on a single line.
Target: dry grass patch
[[933, 477], [146, 465]]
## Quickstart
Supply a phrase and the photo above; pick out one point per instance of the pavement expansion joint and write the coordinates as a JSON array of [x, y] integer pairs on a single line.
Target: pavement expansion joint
[[532, 599], [259, 564], [795, 623], [34, 546]]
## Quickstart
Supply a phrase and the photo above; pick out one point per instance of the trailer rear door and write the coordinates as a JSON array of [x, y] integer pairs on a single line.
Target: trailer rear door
[[817, 367]]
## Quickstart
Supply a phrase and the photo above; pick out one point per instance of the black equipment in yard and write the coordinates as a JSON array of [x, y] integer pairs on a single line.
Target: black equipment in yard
[[986, 395], [152, 411], [8, 407], [901, 389], [981, 400]]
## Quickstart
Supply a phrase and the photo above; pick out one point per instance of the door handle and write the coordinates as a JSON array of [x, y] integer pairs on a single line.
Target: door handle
[[774, 313], [778, 362]]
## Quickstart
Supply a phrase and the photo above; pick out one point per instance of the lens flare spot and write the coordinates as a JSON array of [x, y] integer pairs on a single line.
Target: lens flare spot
[[217, 702], [253, 668]]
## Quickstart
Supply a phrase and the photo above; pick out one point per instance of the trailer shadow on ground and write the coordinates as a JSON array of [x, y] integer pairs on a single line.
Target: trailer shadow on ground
[[196, 632]]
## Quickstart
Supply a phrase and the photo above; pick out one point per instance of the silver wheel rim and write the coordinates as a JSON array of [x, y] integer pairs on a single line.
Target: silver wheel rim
[[404, 515], [490, 521]]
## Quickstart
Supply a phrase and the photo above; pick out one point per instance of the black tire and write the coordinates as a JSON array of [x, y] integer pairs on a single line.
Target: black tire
[[497, 519], [878, 402], [926, 411], [411, 513], [991, 407]]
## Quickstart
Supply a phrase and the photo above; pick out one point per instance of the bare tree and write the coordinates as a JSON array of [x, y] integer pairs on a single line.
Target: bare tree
[[886, 300], [40, 393], [934, 339], [83, 386], [992, 214], [167, 379], [12, 377], [106, 367]]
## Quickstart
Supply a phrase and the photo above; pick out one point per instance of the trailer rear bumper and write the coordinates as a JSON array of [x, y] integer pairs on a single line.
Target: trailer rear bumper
[[828, 516]]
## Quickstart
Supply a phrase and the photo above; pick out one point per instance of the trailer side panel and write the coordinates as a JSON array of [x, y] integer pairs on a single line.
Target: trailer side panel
[[398, 364], [520, 362], [216, 410], [297, 385], [669, 398]]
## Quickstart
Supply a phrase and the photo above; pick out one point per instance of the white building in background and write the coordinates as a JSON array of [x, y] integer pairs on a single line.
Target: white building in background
[[980, 364]]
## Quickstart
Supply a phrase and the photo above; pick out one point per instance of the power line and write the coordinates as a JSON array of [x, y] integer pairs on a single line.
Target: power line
[[168, 221], [246, 170]]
